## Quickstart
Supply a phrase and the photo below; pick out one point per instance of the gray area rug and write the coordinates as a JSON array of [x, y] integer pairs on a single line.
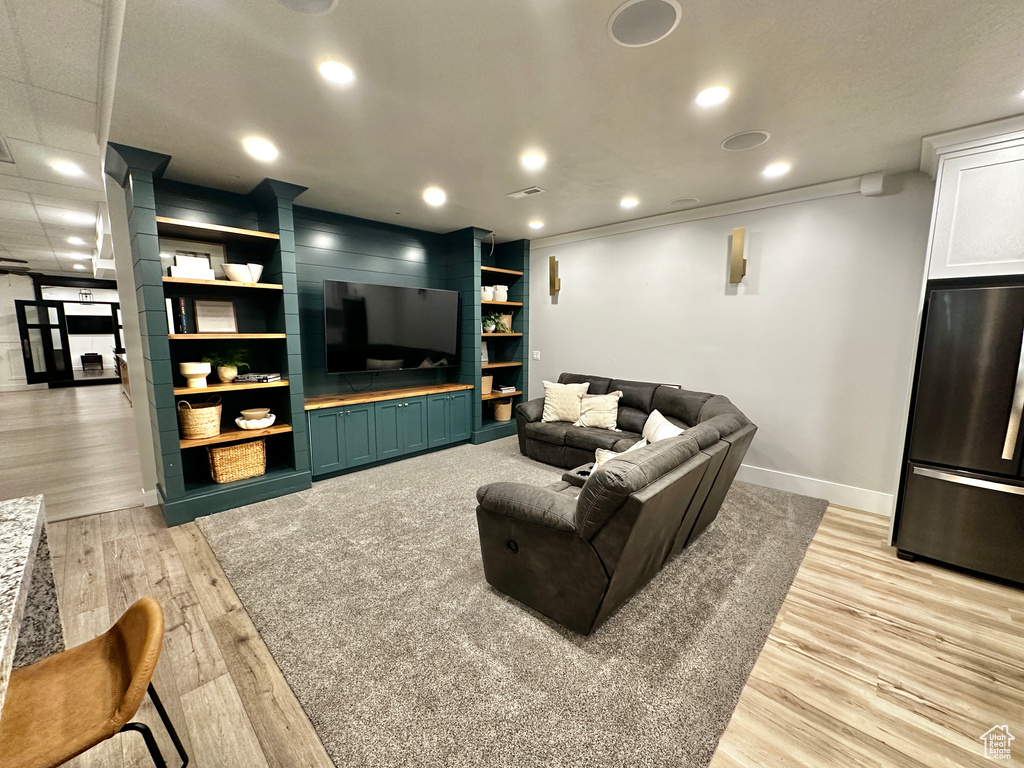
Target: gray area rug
[[369, 591]]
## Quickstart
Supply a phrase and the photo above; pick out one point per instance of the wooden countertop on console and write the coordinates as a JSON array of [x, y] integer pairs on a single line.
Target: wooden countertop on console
[[377, 395]]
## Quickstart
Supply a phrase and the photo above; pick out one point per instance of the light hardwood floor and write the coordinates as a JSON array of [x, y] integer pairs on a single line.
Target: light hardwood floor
[[871, 662], [76, 446]]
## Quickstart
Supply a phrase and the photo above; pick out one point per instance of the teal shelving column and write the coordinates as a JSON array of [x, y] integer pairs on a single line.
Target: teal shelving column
[[463, 275], [185, 487]]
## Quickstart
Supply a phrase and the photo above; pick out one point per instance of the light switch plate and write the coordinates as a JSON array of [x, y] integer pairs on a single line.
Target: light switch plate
[[536, 354]]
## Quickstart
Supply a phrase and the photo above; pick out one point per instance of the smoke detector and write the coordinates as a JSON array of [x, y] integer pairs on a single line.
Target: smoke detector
[[746, 140], [528, 192], [683, 202], [637, 23]]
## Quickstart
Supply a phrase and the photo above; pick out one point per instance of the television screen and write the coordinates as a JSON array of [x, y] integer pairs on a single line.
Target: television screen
[[385, 328]]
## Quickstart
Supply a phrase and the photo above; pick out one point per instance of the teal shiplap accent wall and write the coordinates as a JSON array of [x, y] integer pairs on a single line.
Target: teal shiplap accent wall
[[331, 246]]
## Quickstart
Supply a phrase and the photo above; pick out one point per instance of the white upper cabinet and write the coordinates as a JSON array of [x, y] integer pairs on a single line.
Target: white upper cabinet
[[978, 216]]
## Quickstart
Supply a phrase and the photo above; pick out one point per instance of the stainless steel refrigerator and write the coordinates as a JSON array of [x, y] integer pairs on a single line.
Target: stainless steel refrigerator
[[962, 493]]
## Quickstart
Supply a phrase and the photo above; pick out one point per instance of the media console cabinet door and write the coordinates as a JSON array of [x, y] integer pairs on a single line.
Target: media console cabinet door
[[327, 440], [388, 427], [414, 425], [360, 435], [460, 416], [438, 430]]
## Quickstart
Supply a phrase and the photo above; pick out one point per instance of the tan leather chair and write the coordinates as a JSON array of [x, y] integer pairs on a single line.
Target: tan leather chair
[[67, 703]]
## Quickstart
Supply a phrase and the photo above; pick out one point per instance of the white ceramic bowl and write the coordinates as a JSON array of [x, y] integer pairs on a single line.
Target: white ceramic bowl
[[256, 423], [194, 369], [255, 413], [256, 270], [240, 273]]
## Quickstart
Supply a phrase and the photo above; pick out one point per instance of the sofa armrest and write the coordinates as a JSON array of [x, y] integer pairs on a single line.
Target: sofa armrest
[[579, 476], [528, 503], [532, 410]]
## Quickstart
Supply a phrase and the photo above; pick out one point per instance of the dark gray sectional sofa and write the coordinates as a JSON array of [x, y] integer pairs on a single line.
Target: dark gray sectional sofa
[[577, 549]]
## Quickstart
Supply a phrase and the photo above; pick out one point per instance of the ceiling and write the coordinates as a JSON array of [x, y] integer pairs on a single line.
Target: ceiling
[[50, 55], [451, 92]]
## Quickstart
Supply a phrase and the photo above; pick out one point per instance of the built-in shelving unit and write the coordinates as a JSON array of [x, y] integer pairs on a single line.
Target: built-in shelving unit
[[253, 228], [504, 264]]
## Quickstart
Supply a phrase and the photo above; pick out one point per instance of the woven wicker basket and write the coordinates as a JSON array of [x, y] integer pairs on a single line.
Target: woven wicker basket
[[199, 419], [503, 410], [486, 382], [239, 461]]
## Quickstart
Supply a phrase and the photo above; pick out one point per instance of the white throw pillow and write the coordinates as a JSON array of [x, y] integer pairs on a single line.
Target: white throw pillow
[[601, 455], [658, 428], [562, 401], [599, 411]]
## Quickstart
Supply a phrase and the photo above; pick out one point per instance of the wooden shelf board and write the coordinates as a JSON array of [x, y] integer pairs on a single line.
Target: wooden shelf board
[[198, 336], [235, 434], [168, 227], [223, 283], [486, 366], [356, 398], [500, 396], [499, 335], [229, 387], [500, 271], [504, 303]]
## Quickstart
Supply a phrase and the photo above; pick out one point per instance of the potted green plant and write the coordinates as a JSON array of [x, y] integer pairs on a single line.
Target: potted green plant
[[494, 324], [227, 363]]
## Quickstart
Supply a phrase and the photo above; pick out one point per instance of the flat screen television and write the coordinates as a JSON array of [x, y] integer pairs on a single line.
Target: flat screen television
[[370, 327]]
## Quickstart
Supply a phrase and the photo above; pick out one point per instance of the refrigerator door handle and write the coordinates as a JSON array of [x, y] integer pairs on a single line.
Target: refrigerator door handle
[[975, 482], [1013, 425]]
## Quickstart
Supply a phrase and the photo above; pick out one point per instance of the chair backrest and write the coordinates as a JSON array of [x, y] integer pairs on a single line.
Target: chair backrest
[[607, 489], [137, 638]]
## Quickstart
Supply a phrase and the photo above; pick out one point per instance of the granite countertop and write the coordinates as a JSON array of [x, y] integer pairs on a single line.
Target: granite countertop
[[21, 525]]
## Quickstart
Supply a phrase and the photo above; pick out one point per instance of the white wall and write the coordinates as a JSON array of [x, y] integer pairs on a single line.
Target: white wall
[[815, 347], [12, 366]]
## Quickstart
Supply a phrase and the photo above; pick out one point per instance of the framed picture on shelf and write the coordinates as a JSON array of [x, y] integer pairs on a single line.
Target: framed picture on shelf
[[176, 252], [215, 316], [483, 354]]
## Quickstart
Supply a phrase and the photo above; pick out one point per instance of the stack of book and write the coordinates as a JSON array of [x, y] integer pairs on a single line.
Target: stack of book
[[506, 390], [257, 378]]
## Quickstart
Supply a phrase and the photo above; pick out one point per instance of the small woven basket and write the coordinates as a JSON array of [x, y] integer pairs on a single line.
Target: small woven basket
[[507, 320], [199, 419], [486, 382], [239, 461], [503, 410]]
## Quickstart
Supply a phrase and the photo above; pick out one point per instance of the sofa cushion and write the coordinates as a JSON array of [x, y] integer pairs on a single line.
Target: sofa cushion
[[681, 404], [705, 434], [552, 432], [562, 401], [598, 384], [720, 413], [602, 456], [607, 489], [631, 419], [635, 394], [659, 428], [599, 410], [591, 438], [626, 439]]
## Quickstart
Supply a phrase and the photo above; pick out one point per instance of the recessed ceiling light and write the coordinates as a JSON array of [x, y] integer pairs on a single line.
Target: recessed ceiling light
[[434, 196], [709, 97], [629, 202], [67, 168], [80, 218], [535, 224], [336, 72], [776, 169], [76, 241], [79, 266], [260, 148], [533, 161]]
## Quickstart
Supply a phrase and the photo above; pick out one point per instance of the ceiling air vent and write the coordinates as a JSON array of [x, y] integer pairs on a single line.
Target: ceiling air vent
[[5, 152], [528, 192]]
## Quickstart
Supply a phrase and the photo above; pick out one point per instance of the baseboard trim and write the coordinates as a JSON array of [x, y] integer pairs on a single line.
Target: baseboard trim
[[150, 498], [842, 495]]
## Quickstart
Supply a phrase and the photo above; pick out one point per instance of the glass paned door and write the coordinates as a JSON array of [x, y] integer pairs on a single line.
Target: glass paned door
[[44, 341]]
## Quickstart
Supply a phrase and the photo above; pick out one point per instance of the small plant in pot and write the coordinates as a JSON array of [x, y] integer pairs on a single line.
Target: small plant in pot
[[227, 363], [494, 324]]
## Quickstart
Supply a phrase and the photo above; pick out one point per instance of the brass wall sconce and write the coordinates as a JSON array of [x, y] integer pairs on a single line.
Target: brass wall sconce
[[554, 281], [737, 262]]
